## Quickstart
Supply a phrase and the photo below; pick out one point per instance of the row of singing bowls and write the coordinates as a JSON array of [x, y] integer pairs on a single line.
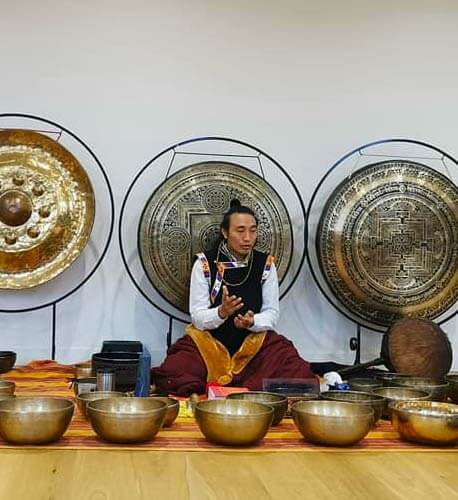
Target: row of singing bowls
[[278, 402], [34, 420], [332, 423], [394, 394], [369, 399], [452, 379], [426, 422], [438, 389], [126, 420], [83, 399], [233, 422]]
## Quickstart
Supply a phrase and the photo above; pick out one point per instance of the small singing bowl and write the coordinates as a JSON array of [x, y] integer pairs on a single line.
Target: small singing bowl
[[332, 423], [277, 401], [83, 399], [7, 360], [233, 422], [83, 370], [364, 384], [7, 388], [374, 401], [392, 394], [426, 422], [452, 379], [437, 389], [126, 420], [34, 420], [173, 408]]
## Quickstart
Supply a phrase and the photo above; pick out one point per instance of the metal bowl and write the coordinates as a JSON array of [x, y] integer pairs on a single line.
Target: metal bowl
[[332, 423], [277, 401], [364, 384], [438, 389], [83, 370], [34, 420], [374, 401], [233, 422], [83, 399], [7, 360], [7, 388], [426, 421], [392, 394], [452, 379], [126, 420], [173, 408], [386, 377]]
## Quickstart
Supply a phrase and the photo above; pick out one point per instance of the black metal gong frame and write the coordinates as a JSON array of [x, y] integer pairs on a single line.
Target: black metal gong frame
[[260, 153], [53, 303], [355, 342]]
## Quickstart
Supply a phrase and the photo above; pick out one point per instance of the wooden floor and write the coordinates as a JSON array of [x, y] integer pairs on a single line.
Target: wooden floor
[[127, 475]]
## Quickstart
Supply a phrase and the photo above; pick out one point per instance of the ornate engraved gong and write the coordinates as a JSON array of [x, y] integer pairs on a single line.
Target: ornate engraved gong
[[183, 216], [387, 242], [47, 209]]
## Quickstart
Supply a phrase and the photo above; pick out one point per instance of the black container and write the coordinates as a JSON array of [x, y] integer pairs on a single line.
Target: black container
[[124, 364], [7, 360], [122, 346]]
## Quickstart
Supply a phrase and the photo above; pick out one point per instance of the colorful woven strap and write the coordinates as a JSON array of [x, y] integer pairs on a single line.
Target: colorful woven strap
[[220, 268], [205, 267], [267, 267]]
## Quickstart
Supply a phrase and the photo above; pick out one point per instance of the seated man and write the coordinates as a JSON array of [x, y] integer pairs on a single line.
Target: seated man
[[234, 308]]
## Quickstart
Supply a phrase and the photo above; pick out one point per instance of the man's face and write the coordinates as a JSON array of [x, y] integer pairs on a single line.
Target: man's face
[[242, 234]]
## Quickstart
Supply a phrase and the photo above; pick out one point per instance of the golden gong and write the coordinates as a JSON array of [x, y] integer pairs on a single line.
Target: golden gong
[[47, 209], [387, 242], [183, 216]]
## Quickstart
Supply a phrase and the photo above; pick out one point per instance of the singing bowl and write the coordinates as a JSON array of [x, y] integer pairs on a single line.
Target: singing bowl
[[84, 398], [332, 423], [452, 379], [7, 388], [426, 422], [364, 384], [438, 389], [368, 399], [233, 422], [278, 402], [173, 408], [7, 360], [392, 394], [126, 420], [34, 420], [386, 378], [83, 370]]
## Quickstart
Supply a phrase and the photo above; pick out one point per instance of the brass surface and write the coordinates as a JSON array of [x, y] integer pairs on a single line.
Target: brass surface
[[84, 398], [126, 420], [332, 423], [47, 209], [233, 422], [83, 370], [374, 401], [393, 394], [38, 420], [438, 389], [183, 215], [173, 408], [387, 242], [7, 387], [426, 422], [277, 401], [364, 384], [452, 379]]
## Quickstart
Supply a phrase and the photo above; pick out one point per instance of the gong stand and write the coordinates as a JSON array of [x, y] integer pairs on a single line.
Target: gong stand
[[355, 342], [53, 304]]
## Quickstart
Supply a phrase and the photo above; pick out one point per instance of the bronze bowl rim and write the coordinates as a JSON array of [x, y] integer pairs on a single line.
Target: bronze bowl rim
[[264, 409], [371, 396], [403, 407], [321, 402], [420, 381], [280, 398], [42, 411], [136, 414]]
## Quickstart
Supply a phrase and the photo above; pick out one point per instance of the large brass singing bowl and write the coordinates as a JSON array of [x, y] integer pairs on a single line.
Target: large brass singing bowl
[[332, 423], [452, 379], [426, 422], [173, 408], [7, 387], [393, 394], [84, 398], [233, 422], [437, 389], [277, 401], [47, 209], [369, 399], [126, 420], [34, 420]]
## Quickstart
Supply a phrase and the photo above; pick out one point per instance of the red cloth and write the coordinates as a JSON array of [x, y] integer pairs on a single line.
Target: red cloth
[[183, 371]]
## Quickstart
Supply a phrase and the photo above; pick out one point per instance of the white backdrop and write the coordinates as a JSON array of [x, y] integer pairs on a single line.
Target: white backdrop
[[305, 81]]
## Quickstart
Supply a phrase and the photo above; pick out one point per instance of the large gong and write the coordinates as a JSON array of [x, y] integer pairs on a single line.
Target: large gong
[[47, 209], [183, 215], [387, 242]]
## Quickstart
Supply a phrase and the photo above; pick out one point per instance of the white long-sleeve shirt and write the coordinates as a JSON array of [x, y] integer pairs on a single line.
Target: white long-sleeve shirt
[[205, 317]]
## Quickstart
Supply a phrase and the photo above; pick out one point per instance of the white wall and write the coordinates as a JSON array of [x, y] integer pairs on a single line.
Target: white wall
[[305, 81]]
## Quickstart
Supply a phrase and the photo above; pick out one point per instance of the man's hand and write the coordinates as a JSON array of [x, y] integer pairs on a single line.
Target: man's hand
[[244, 322], [229, 305]]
